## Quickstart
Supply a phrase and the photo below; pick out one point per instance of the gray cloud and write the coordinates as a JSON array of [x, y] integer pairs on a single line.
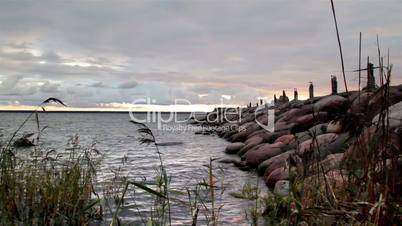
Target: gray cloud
[[48, 87], [128, 85], [98, 85], [184, 48]]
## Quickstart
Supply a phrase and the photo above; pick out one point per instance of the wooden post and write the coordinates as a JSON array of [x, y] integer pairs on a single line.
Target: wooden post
[[334, 85], [311, 90], [295, 94], [370, 77]]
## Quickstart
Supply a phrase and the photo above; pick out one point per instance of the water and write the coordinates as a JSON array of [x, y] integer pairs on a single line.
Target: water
[[116, 137]]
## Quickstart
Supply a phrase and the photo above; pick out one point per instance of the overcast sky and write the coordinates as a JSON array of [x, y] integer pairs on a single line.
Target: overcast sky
[[93, 53]]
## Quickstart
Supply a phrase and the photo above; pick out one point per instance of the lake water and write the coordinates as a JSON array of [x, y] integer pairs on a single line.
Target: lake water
[[116, 137]]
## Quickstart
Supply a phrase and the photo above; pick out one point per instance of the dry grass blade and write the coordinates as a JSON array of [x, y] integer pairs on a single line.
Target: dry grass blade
[[55, 100], [340, 47]]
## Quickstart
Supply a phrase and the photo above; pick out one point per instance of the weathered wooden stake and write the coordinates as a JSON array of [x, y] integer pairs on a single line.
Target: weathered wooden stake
[[334, 85], [370, 77], [311, 90]]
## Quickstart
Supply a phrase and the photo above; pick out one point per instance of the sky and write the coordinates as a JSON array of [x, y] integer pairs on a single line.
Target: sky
[[113, 54]]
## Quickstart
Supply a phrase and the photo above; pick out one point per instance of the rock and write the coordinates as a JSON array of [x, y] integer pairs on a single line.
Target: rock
[[258, 132], [249, 117], [319, 142], [282, 188], [307, 121], [256, 156], [279, 126], [374, 105], [250, 143], [277, 175], [23, 142], [233, 148], [363, 143], [269, 165], [244, 132], [331, 162], [334, 127], [339, 145], [229, 161], [395, 116], [333, 103], [292, 115], [360, 104], [286, 139], [243, 153]]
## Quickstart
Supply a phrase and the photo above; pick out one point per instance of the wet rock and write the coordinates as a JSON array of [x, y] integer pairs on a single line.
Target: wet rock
[[233, 148], [23, 142], [282, 188], [229, 161]]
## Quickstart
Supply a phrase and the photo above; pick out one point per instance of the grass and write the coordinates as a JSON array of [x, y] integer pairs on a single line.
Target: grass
[[50, 188]]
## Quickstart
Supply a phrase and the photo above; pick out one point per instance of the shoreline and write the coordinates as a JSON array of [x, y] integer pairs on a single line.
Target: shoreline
[[319, 139]]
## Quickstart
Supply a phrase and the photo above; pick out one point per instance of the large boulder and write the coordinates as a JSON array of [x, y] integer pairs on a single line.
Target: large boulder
[[333, 103], [307, 121], [339, 145], [334, 127], [258, 132], [244, 132], [277, 175], [394, 96], [248, 117], [394, 116], [292, 115], [308, 134], [250, 143], [332, 162], [280, 126], [269, 165], [286, 139], [233, 148], [318, 143], [256, 156], [360, 104]]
